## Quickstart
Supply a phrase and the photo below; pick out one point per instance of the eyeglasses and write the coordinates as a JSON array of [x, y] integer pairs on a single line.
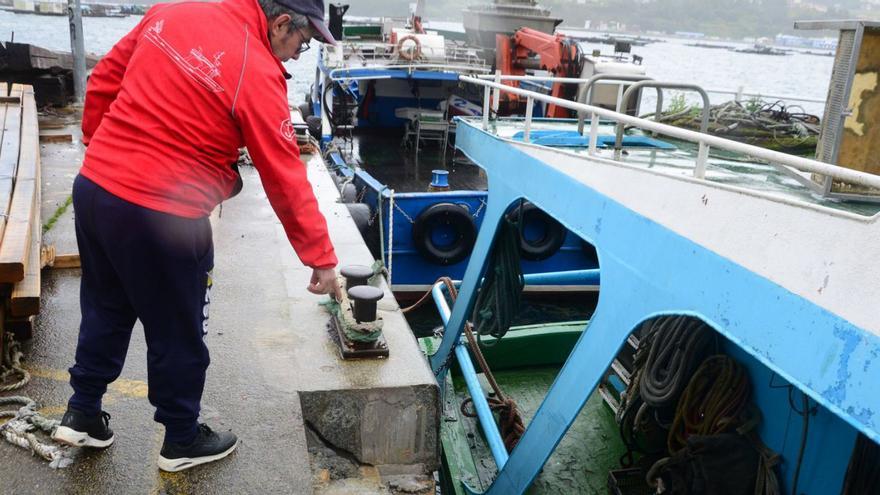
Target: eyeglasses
[[303, 43]]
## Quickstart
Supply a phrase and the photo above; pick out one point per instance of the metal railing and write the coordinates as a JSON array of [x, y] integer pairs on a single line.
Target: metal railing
[[454, 56], [773, 157], [703, 153], [739, 95], [585, 92]]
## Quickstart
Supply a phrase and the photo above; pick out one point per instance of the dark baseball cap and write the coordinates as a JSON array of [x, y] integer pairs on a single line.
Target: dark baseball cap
[[314, 10]]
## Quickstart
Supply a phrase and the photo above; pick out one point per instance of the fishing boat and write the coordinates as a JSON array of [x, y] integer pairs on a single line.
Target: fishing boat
[[382, 105], [735, 338], [483, 22]]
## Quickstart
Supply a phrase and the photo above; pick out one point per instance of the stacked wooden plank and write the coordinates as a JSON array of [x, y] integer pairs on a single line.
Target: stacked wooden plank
[[20, 226]]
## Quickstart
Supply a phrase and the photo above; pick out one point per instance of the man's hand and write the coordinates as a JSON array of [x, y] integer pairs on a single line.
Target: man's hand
[[324, 282]]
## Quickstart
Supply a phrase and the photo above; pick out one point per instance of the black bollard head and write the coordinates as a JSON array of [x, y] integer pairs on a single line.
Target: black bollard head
[[365, 297], [356, 275]]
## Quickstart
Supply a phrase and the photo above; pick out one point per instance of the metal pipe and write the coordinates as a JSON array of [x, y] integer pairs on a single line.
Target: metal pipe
[[484, 413], [78, 49], [587, 91], [496, 95], [798, 163], [580, 277], [704, 121], [574, 80], [486, 98], [702, 159], [530, 107], [594, 132]]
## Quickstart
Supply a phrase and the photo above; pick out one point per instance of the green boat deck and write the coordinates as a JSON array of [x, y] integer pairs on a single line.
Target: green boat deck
[[525, 363]]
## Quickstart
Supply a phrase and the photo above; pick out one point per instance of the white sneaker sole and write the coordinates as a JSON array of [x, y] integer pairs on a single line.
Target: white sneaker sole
[[179, 464], [74, 438]]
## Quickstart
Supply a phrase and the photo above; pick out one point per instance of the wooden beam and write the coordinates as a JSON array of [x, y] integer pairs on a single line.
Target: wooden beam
[[9, 150], [17, 236], [66, 261], [25, 299], [56, 138], [10, 99]]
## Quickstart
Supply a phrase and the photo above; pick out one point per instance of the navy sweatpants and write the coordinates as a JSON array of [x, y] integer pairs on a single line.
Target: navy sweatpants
[[139, 263]]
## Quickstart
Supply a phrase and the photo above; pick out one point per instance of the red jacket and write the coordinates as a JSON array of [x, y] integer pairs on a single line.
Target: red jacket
[[168, 108]]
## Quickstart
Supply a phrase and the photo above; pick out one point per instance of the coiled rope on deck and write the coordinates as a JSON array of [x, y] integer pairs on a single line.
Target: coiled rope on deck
[[714, 401], [21, 431], [677, 345], [10, 365], [511, 424], [496, 306], [24, 422]]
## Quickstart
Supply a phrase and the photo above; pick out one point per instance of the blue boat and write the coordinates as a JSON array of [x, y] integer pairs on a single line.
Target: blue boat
[[382, 105], [715, 241]]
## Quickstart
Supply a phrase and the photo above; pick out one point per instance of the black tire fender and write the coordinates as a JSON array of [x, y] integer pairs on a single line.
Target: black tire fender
[[315, 124], [458, 219], [305, 109], [549, 244]]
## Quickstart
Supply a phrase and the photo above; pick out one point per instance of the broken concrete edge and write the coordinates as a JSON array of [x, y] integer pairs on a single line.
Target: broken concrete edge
[[381, 427], [394, 428], [335, 469]]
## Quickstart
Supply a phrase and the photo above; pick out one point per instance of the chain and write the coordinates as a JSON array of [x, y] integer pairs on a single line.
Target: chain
[[405, 215], [479, 209]]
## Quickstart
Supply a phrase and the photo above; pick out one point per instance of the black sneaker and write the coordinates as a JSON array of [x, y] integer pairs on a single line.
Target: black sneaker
[[81, 430], [208, 446]]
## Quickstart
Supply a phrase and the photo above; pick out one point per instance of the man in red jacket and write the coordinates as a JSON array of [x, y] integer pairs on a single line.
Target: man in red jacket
[[165, 114]]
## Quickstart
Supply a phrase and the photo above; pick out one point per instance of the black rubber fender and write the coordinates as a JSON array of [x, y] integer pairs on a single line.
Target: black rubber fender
[[362, 214], [455, 217], [314, 123], [348, 193], [546, 246], [305, 109]]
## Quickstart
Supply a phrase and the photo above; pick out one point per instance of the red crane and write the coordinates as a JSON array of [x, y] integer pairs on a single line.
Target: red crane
[[536, 50]]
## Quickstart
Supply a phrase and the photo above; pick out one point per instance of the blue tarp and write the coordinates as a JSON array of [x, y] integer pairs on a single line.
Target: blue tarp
[[572, 139]]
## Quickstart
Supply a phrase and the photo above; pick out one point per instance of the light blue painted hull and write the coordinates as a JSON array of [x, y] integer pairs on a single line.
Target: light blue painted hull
[[649, 270]]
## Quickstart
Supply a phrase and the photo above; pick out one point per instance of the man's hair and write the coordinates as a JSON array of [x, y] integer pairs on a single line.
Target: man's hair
[[274, 9]]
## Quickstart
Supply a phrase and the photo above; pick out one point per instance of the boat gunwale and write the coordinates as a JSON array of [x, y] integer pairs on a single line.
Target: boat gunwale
[[778, 198]]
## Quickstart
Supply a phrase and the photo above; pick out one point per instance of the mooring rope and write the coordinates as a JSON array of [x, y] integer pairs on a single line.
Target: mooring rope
[[24, 422], [678, 344], [511, 422], [714, 401], [10, 365], [21, 431]]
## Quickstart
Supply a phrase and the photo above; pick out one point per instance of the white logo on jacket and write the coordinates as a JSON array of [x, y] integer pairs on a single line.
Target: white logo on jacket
[[287, 130], [196, 65]]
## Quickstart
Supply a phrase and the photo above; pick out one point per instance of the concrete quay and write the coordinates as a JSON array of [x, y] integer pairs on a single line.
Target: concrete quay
[[308, 421]]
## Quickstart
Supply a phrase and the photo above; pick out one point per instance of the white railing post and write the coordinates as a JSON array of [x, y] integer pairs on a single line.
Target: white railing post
[[619, 97], [594, 132], [739, 94], [496, 100], [530, 105], [486, 97], [702, 158]]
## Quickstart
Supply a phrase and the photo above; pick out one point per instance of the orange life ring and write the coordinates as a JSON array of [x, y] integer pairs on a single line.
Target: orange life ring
[[409, 54]]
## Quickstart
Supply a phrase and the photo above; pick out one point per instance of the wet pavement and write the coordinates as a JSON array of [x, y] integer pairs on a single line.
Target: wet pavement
[[249, 386], [272, 455]]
